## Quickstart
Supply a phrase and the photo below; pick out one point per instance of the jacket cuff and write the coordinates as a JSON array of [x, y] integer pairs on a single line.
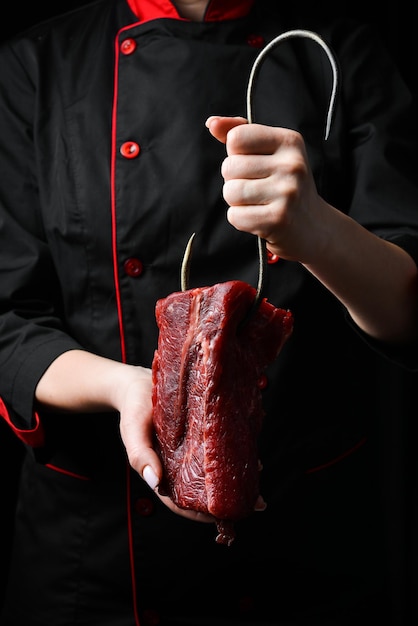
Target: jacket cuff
[[33, 437]]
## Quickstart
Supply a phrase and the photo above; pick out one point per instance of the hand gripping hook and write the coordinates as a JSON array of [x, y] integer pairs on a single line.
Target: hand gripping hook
[[262, 251]]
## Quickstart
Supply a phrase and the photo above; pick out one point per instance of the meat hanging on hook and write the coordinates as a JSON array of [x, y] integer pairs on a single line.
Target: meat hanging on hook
[[207, 398]]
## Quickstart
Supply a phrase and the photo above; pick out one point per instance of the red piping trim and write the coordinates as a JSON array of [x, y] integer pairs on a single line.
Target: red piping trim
[[338, 458], [113, 205], [66, 472], [153, 9], [119, 308], [33, 437]]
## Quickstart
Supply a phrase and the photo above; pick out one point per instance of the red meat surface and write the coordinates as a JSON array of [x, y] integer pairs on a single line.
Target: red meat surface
[[207, 403]]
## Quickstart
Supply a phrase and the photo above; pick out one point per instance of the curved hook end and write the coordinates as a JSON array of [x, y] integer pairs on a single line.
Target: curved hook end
[[185, 266]]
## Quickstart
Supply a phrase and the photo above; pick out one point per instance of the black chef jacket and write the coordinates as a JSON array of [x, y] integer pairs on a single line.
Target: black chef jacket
[[106, 170]]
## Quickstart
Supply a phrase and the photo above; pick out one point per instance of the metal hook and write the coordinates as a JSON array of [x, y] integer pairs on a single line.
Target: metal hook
[[185, 265], [291, 34], [307, 34], [262, 249]]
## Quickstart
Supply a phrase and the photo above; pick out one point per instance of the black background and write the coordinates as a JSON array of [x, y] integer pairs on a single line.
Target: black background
[[397, 23]]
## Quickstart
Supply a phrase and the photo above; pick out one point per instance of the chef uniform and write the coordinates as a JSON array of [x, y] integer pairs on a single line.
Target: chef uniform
[[107, 169]]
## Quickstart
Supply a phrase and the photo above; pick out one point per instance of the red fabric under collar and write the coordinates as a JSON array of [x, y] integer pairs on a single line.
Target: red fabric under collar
[[217, 10]]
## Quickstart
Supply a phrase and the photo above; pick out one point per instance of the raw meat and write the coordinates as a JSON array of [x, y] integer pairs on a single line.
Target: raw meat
[[207, 404]]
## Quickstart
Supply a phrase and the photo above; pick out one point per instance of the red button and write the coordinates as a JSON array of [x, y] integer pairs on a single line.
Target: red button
[[130, 149], [128, 46], [256, 41], [262, 382], [144, 507], [272, 258], [133, 267]]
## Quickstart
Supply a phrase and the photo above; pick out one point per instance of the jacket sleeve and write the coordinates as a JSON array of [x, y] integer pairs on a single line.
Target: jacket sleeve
[[31, 332], [382, 139], [381, 169]]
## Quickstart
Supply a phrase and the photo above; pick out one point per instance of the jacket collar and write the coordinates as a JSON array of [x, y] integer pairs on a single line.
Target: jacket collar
[[217, 10]]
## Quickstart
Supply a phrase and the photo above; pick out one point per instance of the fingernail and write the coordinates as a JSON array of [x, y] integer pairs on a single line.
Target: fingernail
[[150, 477], [210, 118]]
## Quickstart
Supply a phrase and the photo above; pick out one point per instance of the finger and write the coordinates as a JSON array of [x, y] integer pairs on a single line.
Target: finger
[[250, 219], [245, 192], [246, 167], [220, 126], [196, 516], [144, 460], [258, 139], [137, 434]]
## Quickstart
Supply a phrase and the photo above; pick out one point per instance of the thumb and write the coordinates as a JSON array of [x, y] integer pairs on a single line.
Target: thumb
[[220, 126]]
